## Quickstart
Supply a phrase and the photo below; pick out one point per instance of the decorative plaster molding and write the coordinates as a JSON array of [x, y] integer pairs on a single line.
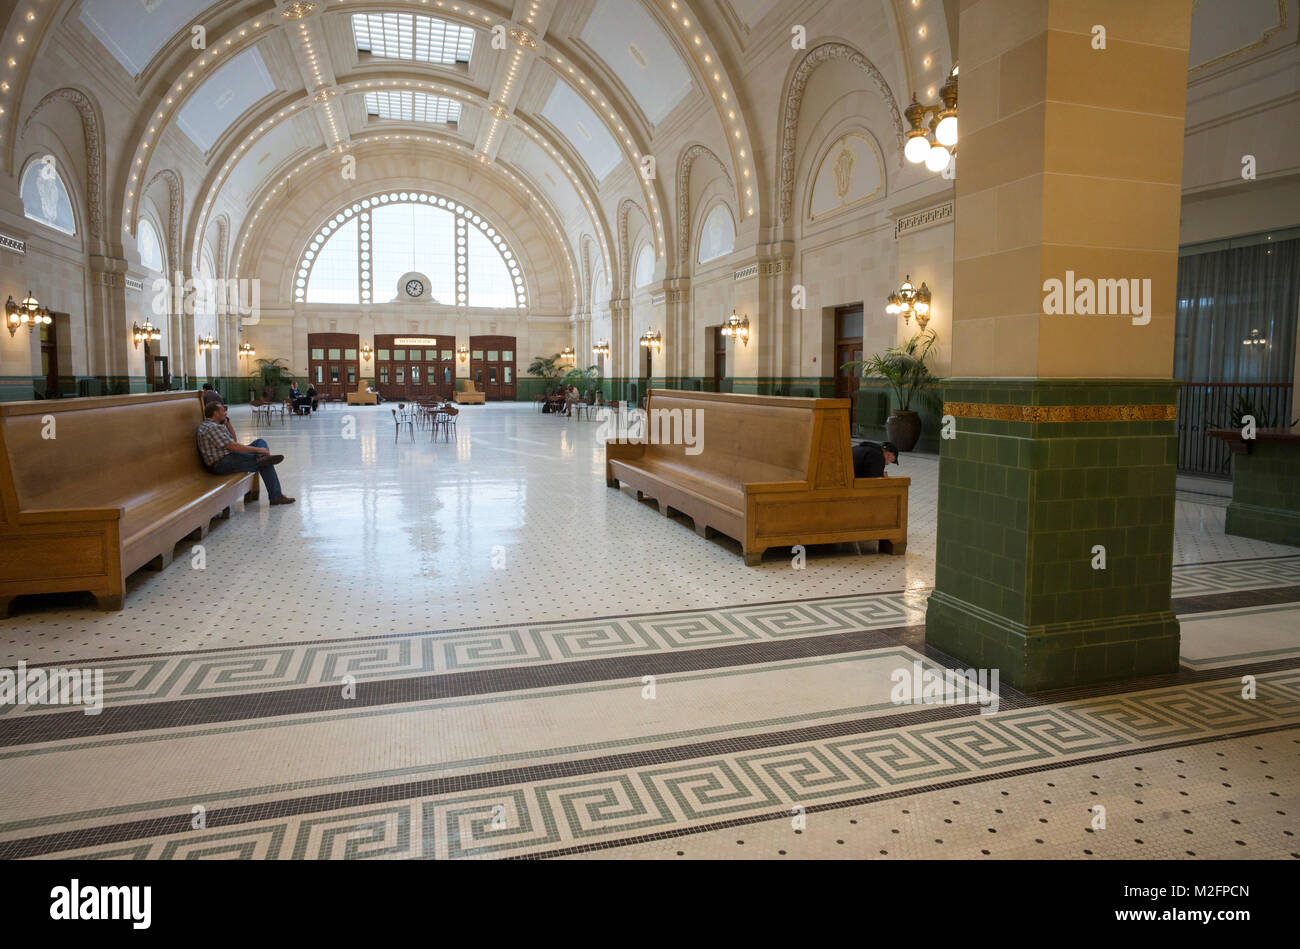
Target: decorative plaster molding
[[13, 244], [625, 207], [175, 207], [134, 283], [920, 220], [745, 273], [92, 131], [794, 103], [684, 200]]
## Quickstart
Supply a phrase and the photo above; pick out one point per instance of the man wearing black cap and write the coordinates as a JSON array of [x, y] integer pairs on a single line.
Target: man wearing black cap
[[869, 459]]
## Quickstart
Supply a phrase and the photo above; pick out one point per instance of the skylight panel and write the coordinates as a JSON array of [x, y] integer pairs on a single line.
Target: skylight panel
[[412, 107], [413, 37]]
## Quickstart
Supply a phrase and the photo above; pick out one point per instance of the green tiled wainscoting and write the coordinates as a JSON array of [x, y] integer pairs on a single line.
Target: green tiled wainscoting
[[1266, 493], [1038, 474]]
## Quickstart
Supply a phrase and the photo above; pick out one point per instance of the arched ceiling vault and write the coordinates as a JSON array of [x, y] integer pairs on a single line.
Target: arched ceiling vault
[[262, 208]]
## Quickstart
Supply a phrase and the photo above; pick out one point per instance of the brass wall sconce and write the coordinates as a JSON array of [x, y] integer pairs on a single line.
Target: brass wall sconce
[[246, 349], [143, 334], [937, 146], [567, 353], [910, 302], [737, 328], [652, 340], [29, 313], [462, 352], [601, 349], [367, 351], [208, 343]]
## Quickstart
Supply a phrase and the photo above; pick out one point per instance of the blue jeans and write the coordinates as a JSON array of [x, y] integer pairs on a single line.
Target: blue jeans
[[236, 461]]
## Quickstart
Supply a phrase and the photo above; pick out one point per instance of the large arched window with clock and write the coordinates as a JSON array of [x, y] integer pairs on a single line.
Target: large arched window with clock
[[365, 253]]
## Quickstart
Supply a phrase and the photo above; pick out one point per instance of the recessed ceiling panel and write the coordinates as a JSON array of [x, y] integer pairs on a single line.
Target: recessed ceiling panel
[[412, 107], [752, 11], [269, 152], [135, 30], [579, 123], [636, 50], [423, 39], [224, 97], [548, 177]]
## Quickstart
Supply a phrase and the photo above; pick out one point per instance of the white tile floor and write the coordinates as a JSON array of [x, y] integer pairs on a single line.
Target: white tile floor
[[511, 523]]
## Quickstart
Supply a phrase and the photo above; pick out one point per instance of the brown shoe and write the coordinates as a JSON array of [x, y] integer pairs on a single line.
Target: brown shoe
[[265, 460], [283, 499]]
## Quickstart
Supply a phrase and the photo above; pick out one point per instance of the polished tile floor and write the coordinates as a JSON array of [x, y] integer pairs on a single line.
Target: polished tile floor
[[477, 649]]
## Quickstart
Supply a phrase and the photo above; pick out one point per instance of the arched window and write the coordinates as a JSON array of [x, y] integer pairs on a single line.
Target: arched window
[[150, 247], [645, 266], [717, 235], [361, 252], [45, 196]]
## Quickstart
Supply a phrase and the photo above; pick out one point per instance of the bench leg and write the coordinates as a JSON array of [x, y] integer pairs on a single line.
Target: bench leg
[[895, 547], [199, 532], [665, 510], [704, 530], [6, 603], [255, 492], [611, 482], [639, 495], [161, 562], [225, 514], [108, 602], [753, 560]]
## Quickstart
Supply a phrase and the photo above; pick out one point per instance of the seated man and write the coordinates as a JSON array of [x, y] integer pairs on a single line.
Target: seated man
[[869, 459], [570, 398], [375, 392], [313, 397], [210, 394], [221, 454]]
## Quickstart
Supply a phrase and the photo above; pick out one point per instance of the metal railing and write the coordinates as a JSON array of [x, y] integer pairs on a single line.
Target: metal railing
[[1203, 406]]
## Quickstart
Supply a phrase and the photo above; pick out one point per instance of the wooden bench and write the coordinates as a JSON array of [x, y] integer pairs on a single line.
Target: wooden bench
[[772, 472], [116, 488], [467, 393], [362, 397]]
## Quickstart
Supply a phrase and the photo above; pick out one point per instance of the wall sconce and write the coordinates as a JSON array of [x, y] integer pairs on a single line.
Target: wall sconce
[[366, 351], [462, 352], [143, 334], [246, 349], [652, 340], [1254, 338], [937, 146], [910, 301], [567, 353], [29, 312], [601, 349], [208, 343], [737, 328]]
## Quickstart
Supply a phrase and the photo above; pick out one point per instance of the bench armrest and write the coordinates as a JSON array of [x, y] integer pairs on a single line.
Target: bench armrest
[[70, 515]]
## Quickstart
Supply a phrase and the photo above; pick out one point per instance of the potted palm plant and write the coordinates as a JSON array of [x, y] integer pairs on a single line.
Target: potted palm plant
[[904, 369], [271, 374]]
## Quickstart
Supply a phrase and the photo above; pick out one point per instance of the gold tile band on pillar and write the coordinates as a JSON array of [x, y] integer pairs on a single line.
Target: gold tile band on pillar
[[1062, 413]]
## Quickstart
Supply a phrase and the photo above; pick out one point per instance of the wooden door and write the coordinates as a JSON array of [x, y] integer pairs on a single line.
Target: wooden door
[[848, 348], [332, 364], [492, 366], [409, 368], [719, 358], [50, 358]]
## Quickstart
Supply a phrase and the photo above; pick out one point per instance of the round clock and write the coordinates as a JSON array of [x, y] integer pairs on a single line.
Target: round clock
[[414, 288]]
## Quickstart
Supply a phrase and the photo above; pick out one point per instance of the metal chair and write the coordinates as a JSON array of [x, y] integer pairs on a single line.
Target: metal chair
[[402, 418]]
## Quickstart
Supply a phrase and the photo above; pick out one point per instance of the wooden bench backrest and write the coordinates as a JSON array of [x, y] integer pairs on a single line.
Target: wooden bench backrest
[[104, 450], [754, 438]]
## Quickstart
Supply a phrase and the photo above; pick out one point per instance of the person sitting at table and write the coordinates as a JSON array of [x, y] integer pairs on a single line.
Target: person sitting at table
[[313, 397], [379, 399], [570, 398]]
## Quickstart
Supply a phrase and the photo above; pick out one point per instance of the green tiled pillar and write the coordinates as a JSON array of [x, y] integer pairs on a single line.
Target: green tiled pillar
[[1266, 492], [1038, 475]]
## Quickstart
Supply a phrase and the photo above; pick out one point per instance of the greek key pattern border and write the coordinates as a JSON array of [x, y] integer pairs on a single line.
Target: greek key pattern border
[[1062, 413]]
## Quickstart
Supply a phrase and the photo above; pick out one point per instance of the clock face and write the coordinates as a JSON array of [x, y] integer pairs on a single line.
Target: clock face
[[414, 288]]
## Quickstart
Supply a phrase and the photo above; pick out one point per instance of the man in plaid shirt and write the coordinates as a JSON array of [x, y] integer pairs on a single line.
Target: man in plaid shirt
[[221, 454]]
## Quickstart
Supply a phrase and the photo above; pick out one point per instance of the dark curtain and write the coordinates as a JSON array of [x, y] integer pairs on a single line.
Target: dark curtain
[[1222, 296]]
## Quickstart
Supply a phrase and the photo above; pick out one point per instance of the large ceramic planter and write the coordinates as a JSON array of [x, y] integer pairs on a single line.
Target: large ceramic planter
[[903, 428]]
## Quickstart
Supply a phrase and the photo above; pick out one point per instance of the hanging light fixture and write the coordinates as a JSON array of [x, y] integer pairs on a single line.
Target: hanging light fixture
[[208, 343], [910, 301], [652, 341], [143, 334], [601, 348], [1254, 338], [937, 146], [737, 328]]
